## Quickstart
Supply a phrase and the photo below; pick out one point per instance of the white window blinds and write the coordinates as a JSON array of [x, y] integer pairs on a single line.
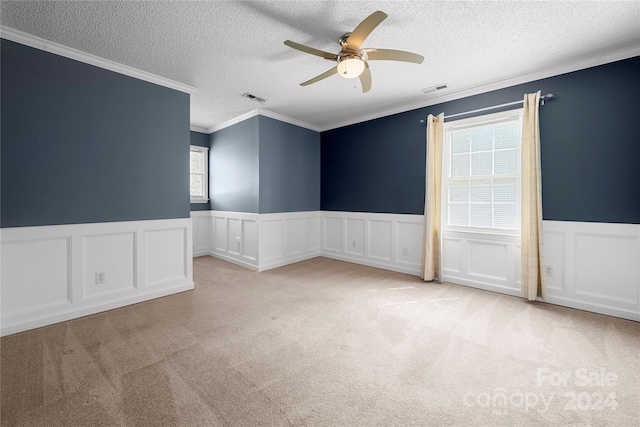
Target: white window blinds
[[482, 173]]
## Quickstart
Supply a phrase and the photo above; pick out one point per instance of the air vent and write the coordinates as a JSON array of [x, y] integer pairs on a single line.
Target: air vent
[[434, 88], [254, 98]]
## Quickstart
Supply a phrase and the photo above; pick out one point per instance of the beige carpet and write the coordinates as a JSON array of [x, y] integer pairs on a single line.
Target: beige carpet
[[325, 343]]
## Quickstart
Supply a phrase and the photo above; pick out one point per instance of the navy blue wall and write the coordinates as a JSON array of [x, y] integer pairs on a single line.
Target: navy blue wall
[[233, 168], [289, 167], [201, 140], [589, 146], [81, 144], [375, 166]]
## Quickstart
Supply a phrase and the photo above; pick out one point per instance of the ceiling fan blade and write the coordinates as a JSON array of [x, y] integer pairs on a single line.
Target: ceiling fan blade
[[365, 79], [363, 30], [394, 55], [312, 51], [322, 76]]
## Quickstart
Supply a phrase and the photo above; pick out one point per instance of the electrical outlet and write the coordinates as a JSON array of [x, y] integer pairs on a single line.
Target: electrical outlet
[[548, 271], [100, 278], [405, 251], [353, 243]]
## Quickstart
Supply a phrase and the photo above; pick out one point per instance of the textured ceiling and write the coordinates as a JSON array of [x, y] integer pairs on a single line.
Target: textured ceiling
[[227, 48]]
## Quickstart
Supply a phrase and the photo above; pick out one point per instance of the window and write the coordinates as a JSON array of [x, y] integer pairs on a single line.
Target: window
[[199, 176], [481, 173]]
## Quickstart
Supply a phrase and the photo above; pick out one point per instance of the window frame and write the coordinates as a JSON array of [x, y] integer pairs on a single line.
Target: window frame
[[467, 123], [204, 151]]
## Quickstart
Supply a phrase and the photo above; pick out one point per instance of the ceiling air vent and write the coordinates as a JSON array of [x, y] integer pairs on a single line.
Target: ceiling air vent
[[254, 98], [434, 88]]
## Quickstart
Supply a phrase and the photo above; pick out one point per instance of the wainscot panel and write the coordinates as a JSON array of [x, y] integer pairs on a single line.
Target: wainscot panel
[[588, 266], [593, 266], [257, 241], [389, 241], [482, 261], [231, 236], [61, 272], [288, 237]]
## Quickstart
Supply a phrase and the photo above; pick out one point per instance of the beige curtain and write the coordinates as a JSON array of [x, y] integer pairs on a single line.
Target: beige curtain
[[432, 208], [533, 283]]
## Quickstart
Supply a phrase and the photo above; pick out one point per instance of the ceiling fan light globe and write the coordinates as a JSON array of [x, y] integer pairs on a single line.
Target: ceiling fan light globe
[[351, 67]]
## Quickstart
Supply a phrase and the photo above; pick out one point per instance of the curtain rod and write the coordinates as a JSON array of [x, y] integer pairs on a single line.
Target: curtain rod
[[493, 107]]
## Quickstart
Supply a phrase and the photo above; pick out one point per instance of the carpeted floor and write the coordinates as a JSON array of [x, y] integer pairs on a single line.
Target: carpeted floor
[[325, 343]]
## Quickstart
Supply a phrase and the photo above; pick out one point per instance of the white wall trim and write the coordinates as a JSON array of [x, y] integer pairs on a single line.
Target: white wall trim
[[596, 266], [286, 119], [575, 65], [288, 237], [568, 67], [71, 53], [257, 241], [232, 122], [387, 241], [48, 272], [265, 113], [230, 236], [481, 260], [381, 240], [46, 320], [199, 129]]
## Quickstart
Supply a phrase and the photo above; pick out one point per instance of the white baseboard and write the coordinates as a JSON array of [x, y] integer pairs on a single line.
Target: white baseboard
[[287, 261], [46, 320], [369, 263], [600, 308], [233, 261], [49, 272]]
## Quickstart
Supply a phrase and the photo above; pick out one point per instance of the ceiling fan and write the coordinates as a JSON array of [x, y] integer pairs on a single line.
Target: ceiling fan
[[352, 59]]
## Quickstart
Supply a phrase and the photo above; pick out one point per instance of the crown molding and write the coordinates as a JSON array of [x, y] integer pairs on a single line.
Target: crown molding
[[71, 53], [576, 65], [265, 113], [199, 129], [232, 122], [286, 119]]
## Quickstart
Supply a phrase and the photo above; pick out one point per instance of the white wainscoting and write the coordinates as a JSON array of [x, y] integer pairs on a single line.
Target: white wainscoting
[[48, 273], [483, 261], [235, 238], [388, 241], [595, 266], [259, 242], [288, 237], [231, 236]]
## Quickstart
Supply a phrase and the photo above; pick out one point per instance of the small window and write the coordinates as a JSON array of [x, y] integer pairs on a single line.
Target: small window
[[482, 173], [199, 175]]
